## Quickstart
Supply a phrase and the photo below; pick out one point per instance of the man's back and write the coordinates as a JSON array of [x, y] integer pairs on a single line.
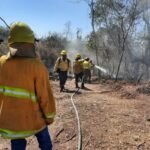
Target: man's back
[[22, 86], [77, 67]]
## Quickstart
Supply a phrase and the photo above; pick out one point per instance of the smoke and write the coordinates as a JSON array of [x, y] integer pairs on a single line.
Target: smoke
[[79, 46], [135, 56], [144, 4]]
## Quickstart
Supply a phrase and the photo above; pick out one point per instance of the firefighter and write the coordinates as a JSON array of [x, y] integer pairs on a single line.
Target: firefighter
[[86, 69], [27, 104], [62, 67], [78, 71]]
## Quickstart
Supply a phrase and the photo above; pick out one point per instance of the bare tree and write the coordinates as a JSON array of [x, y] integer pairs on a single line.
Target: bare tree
[[78, 34], [67, 30], [119, 16], [91, 4]]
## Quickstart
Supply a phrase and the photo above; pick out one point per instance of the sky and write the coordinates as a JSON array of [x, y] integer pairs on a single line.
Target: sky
[[45, 16]]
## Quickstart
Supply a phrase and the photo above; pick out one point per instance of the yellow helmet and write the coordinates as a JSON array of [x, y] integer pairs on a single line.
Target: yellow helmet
[[63, 52], [20, 32], [78, 56], [81, 60]]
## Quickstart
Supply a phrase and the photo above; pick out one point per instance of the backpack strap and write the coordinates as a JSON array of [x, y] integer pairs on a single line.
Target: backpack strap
[[59, 61]]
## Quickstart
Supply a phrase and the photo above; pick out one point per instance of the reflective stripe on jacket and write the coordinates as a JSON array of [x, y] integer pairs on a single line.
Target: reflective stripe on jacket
[[18, 93], [26, 100]]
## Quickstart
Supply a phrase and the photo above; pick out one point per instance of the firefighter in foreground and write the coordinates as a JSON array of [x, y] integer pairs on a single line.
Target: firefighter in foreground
[[26, 101], [78, 71], [62, 67]]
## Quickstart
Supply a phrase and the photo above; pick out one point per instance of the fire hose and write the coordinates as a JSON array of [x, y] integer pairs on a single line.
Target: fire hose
[[79, 144]]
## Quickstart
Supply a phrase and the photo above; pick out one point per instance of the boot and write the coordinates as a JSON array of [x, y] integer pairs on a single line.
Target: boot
[[77, 85], [82, 86], [62, 89]]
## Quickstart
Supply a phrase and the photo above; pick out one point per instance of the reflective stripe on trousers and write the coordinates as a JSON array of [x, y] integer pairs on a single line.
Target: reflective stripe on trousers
[[17, 92]]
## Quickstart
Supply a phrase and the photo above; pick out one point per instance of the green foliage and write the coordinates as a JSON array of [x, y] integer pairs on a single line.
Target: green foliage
[[115, 18], [91, 42], [113, 23]]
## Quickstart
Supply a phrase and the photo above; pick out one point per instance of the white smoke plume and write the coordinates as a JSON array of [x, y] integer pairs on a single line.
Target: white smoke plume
[[79, 46]]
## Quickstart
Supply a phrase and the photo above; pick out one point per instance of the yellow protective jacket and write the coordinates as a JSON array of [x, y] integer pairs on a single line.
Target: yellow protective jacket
[[62, 65], [86, 64], [26, 101], [77, 66]]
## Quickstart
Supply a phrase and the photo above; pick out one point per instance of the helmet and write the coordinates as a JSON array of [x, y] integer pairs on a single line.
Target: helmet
[[87, 58], [63, 52], [20, 32], [78, 56], [81, 60]]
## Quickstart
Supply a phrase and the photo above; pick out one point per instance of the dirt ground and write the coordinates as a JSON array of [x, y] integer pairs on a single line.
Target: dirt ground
[[114, 116]]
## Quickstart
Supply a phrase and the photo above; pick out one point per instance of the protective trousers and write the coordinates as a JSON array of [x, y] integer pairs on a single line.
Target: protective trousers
[[78, 77], [87, 75], [62, 79], [43, 139]]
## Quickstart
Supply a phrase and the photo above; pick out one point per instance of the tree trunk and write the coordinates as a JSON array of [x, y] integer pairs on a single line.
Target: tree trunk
[[94, 34], [120, 61]]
